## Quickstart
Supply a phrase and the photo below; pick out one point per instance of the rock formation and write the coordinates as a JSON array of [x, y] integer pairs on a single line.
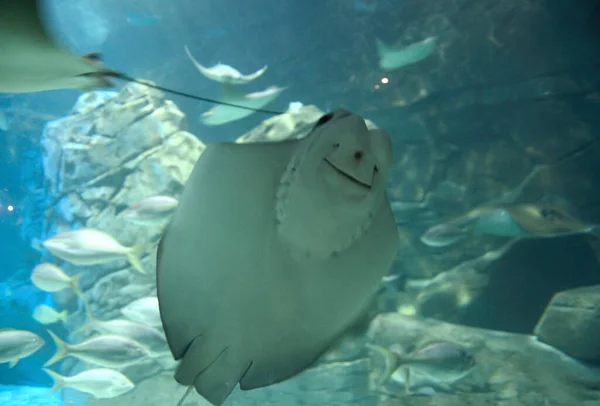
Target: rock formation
[[571, 323], [112, 150]]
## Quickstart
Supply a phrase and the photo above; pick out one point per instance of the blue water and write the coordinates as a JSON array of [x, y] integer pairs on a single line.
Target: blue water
[[28, 395]]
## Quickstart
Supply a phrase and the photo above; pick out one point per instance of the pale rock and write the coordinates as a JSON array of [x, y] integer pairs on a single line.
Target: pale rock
[[571, 323]]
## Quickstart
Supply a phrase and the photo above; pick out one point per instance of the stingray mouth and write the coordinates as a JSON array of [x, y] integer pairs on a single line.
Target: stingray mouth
[[348, 176]]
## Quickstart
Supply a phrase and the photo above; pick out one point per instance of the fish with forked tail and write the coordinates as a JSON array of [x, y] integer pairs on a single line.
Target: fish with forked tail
[[434, 365], [88, 246], [17, 344], [107, 350], [102, 383]]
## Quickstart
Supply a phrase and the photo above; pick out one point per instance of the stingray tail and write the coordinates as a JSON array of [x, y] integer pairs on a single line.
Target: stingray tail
[[185, 395], [133, 257], [59, 380], [61, 350], [100, 76]]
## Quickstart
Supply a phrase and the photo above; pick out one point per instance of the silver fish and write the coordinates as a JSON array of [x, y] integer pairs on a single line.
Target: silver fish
[[144, 310], [47, 315], [437, 364], [442, 235], [17, 344], [50, 278], [147, 336], [109, 350], [88, 246], [101, 383], [151, 210]]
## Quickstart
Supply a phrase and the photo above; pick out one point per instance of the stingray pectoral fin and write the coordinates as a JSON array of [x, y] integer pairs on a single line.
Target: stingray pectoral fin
[[212, 368], [217, 381], [194, 360], [265, 371], [94, 81]]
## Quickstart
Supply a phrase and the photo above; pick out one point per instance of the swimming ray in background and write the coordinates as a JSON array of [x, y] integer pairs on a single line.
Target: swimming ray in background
[[220, 115], [248, 288], [391, 57], [224, 74], [32, 61], [526, 220]]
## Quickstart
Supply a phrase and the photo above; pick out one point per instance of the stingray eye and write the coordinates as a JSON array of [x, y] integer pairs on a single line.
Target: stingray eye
[[336, 145], [324, 119], [546, 213]]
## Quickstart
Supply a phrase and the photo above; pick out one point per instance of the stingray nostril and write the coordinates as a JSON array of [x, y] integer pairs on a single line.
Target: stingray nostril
[[358, 155]]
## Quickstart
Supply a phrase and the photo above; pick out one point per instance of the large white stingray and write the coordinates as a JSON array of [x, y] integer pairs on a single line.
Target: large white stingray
[[275, 250], [30, 61], [224, 73]]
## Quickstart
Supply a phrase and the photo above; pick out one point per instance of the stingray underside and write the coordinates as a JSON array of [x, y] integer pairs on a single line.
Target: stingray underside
[[235, 306], [213, 281]]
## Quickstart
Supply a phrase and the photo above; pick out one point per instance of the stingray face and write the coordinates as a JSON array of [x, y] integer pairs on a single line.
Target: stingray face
[[333, 186], [352, 159]]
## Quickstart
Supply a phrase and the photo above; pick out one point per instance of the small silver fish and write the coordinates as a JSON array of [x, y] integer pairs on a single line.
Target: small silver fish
[[88, 246], [17, 344], [108, 350], [148, 336], [151, 210], [144, 310], [50, 278], [47, 315], [437, 364], [442, 235], [101, 383]]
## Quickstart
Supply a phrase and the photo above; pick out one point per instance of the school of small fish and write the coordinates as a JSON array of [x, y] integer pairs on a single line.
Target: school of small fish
[[113, 344], [432, 367]]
